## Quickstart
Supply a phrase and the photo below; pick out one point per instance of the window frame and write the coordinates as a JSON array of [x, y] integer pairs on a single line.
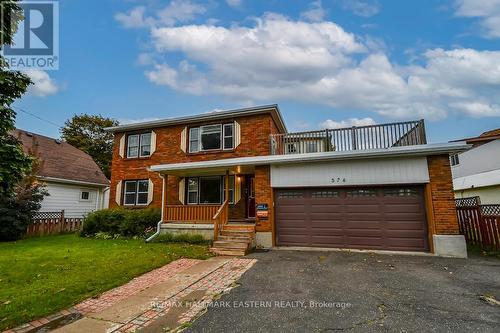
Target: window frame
[[198, 190], [81, 195], [454, 160], [198, 138], [141, 145], [201, 136], [136, 192], [140, 137], [224, 136]]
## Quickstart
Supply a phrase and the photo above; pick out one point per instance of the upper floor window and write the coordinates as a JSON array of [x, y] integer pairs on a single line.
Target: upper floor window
[[139, 145], [454, 160], [211, 137], [136, 192]]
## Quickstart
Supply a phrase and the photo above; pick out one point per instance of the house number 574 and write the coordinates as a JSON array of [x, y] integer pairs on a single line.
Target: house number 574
[[338, 180]]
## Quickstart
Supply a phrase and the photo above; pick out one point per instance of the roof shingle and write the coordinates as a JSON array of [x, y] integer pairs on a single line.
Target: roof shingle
[[60, 159]]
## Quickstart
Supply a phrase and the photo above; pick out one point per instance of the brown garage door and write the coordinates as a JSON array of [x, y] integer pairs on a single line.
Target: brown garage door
[[388, 218]]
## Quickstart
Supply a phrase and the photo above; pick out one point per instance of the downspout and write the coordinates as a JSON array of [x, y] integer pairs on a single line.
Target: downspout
[[158, 227]]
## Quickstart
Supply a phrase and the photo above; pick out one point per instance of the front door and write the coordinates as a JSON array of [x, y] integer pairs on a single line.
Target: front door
[[250, 197]]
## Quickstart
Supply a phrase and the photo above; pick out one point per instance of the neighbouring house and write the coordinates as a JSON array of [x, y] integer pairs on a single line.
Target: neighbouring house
[[73, 180], [240, 176], [476, 172]]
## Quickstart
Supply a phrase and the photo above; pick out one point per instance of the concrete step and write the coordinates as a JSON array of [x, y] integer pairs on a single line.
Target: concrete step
[[223, 244], [228, 252]]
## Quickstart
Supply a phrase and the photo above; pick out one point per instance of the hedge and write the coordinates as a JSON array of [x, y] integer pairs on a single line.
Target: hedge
[[121, 221]]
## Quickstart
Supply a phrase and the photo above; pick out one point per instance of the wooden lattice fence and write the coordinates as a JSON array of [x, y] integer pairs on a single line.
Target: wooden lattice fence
[[480, 224], [50, 223]]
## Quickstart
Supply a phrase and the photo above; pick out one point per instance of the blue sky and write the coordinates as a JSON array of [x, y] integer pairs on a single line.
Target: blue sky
[[326, 63]]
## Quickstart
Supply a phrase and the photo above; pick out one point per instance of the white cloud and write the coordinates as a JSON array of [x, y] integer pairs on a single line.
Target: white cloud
[[315, 13], [180, 11], [319, 62], [134, 18], [488, 12], [331, 124], [176, 11], [478, 109], [234, 3], [43, 85], [361, 8]]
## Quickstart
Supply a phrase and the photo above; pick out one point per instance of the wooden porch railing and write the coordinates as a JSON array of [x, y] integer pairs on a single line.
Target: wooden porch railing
[[191, 214], [221, 218]]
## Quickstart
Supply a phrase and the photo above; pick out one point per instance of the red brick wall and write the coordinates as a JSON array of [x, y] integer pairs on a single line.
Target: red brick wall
[[255, 131], [443, 202], [264, 194]]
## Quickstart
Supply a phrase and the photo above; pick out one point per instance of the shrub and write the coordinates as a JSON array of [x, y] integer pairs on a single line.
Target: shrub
[[120, 221], [181, 238], [18, 209]]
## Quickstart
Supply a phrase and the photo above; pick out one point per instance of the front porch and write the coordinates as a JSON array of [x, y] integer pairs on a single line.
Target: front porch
[[218, 204], [201, 197]]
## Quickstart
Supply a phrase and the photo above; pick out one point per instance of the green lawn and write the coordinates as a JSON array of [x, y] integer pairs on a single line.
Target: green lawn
[[40, 276]]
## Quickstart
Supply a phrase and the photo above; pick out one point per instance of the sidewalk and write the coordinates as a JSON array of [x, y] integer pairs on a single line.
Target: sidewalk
[[160, 300]]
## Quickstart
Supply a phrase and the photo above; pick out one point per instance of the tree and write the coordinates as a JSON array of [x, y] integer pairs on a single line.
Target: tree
[[86, 132], [14, 163], [20, 192], [18, 210]]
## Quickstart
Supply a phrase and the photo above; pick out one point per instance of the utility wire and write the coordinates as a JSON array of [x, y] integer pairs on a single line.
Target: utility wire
[[38, 117]]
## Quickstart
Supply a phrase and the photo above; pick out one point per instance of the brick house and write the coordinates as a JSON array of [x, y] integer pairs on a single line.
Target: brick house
[[239, 176]]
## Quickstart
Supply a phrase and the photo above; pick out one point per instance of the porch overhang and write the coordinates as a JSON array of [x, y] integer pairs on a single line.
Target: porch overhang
[[242, 165]]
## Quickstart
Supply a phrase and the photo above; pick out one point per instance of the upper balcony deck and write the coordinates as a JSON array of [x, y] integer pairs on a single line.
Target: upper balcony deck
[[381, 136]]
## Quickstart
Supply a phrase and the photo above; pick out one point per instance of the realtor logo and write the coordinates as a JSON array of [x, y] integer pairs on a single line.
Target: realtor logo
[[36, 41]]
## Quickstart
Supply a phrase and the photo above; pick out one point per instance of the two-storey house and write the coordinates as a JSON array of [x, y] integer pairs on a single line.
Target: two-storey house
[[240, 176]]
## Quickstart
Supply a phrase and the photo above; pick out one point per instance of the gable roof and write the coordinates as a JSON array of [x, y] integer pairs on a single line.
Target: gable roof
[[60, 160], [272, 109]]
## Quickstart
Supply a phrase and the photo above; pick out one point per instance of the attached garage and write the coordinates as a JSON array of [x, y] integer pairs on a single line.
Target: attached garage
[[380, 218]]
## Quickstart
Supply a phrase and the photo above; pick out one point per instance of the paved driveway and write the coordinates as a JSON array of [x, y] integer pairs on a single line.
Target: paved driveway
[[386, 294]]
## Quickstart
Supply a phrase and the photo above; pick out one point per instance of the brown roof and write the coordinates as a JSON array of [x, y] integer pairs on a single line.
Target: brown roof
[[491, 133], [483, 138], [60, 159]]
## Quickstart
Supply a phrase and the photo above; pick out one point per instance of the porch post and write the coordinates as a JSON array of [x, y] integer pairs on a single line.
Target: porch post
[[163, 196], [226, 181]]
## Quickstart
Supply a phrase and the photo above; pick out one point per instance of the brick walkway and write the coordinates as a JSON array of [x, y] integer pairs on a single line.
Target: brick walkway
[[152, 299], [133, 287]]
